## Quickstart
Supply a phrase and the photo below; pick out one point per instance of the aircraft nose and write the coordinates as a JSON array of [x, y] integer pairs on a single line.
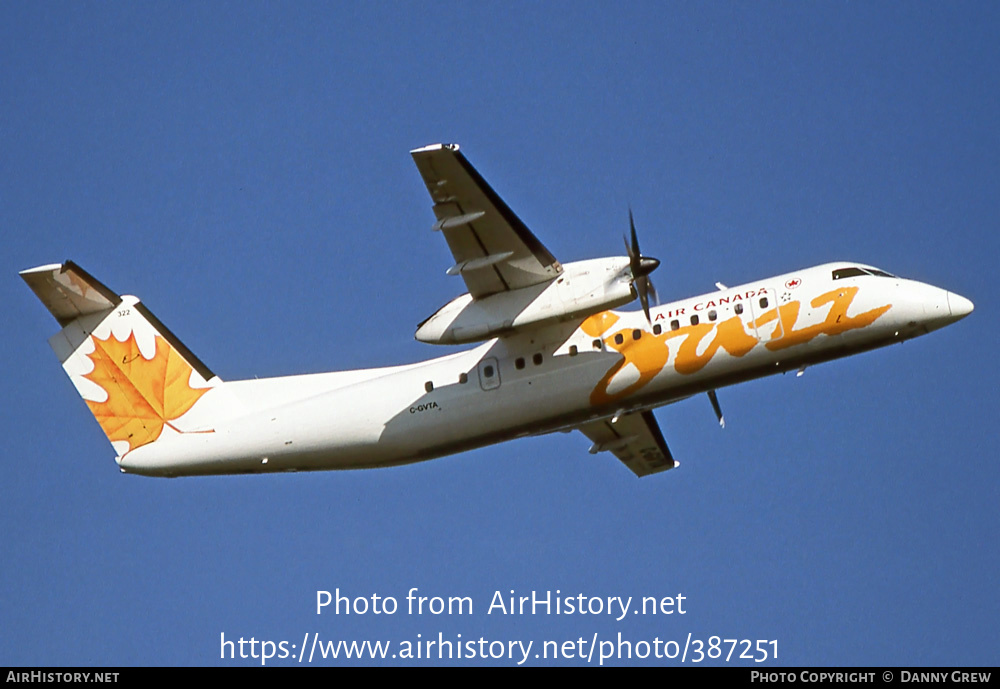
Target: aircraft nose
[[960, 306]]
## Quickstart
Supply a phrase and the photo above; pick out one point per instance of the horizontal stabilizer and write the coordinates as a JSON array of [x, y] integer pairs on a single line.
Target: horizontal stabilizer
[[68, 291]]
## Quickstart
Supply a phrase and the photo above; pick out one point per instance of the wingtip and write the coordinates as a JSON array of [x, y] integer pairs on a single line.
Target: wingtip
[[47, 268], [434, 147]]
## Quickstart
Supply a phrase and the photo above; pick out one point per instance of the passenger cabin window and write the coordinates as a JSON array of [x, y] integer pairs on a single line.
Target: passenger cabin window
[[487, 371], [763, 302], [657, 329], [675, 324], [694, 320], [738, 309], [463, 378], [519, 363], [598, 344], [537, 359], [572, 350], [636, 334], [619, 338], [429, 386], [712, 315]]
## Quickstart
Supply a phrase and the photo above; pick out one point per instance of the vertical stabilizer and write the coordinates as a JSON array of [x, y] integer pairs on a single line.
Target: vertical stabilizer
[[139, 381]]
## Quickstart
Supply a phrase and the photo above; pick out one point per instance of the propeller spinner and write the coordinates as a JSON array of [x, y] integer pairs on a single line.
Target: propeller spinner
[[641, 267]]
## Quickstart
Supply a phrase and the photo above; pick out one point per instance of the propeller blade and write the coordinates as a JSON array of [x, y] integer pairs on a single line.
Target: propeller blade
[[635, 237], [715, 405], [652, 291], [642, 287]]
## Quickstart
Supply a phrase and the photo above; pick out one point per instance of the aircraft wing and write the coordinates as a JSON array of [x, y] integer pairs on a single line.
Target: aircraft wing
[[494, 251], [635, 439]]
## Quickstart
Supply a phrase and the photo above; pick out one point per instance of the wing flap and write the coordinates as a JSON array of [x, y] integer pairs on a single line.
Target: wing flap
[[633, 438]]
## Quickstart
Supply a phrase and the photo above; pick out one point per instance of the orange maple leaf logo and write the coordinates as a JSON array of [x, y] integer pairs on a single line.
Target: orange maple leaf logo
[[144, 395]]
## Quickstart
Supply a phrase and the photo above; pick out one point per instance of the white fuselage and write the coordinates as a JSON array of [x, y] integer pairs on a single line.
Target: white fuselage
[[548, 378]]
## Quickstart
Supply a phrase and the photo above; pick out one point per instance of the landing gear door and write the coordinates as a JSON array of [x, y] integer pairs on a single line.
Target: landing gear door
[[489, 374], [766, 319]]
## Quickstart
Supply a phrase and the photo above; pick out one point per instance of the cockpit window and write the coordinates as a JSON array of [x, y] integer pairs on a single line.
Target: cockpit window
[[853, 272], [842, 273]]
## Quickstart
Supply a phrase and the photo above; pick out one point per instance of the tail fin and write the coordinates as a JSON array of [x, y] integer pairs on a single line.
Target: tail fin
[[133, 373]]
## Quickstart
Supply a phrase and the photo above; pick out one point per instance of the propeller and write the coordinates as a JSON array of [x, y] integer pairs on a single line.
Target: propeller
[[715, 405], [641, 267]]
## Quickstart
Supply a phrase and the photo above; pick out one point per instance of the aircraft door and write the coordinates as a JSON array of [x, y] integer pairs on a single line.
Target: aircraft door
[[489, 373], [766, 319]]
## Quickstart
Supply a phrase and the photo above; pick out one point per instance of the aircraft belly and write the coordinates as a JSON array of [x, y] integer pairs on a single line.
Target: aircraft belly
[[338, 429]]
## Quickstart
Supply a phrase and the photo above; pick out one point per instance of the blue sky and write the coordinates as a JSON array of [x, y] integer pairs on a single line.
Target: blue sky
[[244, 168]]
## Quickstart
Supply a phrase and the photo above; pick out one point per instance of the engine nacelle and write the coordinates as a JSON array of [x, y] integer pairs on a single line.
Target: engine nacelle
[[583, 288]]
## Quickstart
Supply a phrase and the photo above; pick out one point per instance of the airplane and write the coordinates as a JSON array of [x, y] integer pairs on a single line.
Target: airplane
[[551, 354]]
